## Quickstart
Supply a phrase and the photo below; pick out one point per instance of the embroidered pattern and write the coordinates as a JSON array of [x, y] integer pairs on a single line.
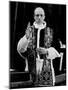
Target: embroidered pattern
[[45, 78]]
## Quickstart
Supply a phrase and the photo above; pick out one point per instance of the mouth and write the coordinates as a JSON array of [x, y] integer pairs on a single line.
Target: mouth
[[39, 20]]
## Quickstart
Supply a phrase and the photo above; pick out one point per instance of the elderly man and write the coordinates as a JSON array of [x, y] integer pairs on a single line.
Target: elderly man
[[35, 47]]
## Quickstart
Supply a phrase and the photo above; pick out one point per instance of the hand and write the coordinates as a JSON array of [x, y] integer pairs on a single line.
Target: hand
[[28, 31], [41, 50]]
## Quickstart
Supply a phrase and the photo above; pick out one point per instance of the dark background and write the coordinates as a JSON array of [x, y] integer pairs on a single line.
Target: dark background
[[20, 13]]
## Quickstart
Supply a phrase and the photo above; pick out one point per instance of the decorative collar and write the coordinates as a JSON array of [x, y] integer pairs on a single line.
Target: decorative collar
[[43, 25]]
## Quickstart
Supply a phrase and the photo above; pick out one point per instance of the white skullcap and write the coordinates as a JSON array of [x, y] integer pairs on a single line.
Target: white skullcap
[[39, 10]]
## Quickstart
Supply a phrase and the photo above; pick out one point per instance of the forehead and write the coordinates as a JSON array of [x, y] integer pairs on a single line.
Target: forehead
[[39, 11]]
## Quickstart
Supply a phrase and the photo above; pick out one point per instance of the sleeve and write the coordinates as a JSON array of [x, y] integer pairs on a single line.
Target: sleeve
[[22, 44], [52, 53]]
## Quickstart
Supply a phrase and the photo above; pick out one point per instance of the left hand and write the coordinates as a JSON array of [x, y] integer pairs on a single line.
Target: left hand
[[41, 50]]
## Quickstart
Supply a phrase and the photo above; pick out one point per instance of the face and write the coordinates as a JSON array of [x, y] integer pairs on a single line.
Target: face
[[39, 15]]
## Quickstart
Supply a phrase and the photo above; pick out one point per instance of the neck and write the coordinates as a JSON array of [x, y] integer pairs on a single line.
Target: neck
[[40, 25]]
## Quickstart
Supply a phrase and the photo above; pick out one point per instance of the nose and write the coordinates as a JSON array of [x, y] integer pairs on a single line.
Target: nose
[[39, 16]]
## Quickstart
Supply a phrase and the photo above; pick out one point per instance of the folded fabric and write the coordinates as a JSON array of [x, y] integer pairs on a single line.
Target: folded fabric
[[22, 44], [52, 53]]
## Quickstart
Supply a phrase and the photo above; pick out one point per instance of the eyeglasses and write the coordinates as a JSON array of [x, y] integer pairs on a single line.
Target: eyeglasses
[[39, 15]]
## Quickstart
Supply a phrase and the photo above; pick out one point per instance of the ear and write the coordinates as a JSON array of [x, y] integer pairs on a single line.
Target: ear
[[34, 17], [43, 17]]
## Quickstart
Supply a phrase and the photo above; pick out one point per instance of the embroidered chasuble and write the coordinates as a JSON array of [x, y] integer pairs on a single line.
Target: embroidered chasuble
[[44, 77]]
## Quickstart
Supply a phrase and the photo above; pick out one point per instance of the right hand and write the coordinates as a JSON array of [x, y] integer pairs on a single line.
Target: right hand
[[28, 31]]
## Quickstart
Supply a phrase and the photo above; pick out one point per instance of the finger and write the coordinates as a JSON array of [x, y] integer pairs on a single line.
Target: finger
[[28, 25]]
